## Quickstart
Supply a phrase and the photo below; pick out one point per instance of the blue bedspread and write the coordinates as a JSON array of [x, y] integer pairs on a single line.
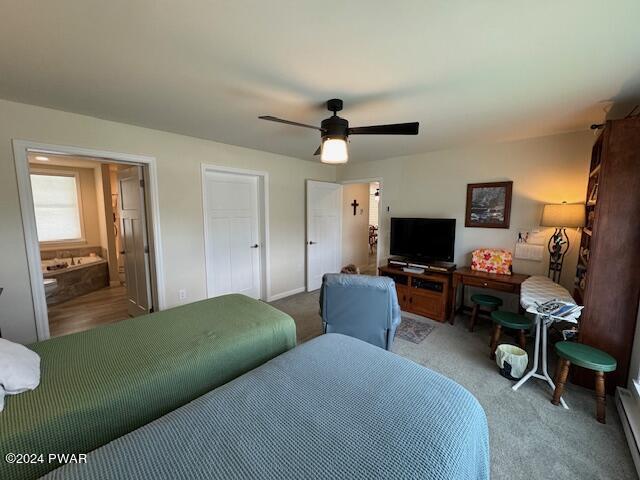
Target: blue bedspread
[[334, 407]]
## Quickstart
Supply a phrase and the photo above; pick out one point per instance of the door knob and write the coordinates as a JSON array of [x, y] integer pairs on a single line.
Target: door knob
[[255, 246], [312, 243]]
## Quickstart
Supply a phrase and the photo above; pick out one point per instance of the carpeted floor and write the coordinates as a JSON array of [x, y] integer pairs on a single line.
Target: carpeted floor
[[530, 438]]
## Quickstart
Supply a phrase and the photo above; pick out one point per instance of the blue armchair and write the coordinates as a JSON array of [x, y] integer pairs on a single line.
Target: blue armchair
[[360, 306]]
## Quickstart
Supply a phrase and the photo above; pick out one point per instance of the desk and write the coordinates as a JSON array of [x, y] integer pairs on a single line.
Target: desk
[[466, 277]]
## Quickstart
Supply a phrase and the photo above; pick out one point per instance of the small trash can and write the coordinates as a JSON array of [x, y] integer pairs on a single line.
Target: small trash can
[[512, 361]]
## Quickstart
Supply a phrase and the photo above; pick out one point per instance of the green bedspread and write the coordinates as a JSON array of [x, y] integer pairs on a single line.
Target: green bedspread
[[98, 385]]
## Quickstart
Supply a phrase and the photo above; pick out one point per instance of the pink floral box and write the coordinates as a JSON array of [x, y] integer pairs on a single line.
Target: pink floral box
[[492, 260]]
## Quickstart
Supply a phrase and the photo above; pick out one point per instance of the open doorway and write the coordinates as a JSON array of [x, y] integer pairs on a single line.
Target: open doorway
[[90, 219], [374, 227], [89, 232], [360, 226]]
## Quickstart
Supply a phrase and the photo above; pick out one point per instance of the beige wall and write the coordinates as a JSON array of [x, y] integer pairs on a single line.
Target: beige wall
[[100, 207], [548, 169], [634, 363], [108, 223], [90, 211], [178, 159], [544, 170], [113, 188], [355, 228]]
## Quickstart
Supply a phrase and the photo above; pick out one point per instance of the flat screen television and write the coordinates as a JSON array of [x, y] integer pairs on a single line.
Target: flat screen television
[[426, 239]]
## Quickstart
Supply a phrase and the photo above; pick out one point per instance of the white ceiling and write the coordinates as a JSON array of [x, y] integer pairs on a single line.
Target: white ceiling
[[469, 71]]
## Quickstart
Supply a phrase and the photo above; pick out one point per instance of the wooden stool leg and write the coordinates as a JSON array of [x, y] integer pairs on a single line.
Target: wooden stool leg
[[556, 375], [600, 398], [521, 340], [474, 317], [561, 378], [491, 337], [495, 338]]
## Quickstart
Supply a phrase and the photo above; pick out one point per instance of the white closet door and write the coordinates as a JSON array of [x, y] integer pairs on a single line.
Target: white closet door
[[233, 236], [324, 226]]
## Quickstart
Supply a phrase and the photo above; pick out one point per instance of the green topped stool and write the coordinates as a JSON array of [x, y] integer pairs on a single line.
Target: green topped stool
[[489, 302], [508, 320], [586, 357]]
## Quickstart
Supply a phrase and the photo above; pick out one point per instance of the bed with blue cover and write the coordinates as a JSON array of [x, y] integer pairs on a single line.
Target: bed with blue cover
[[334, 407], [100, 384]]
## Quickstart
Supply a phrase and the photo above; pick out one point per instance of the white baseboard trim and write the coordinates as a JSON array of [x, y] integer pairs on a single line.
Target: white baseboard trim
[[278, 296], [628, 412]]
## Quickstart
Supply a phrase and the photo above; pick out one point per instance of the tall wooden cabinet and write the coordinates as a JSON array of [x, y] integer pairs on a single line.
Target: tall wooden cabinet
[[608, 274]]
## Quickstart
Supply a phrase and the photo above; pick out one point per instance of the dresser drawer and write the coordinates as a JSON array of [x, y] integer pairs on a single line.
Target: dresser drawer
[[492, 284]]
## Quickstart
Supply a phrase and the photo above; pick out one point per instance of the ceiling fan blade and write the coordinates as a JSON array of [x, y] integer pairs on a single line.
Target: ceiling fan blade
[[288, 122], [392, 129], [317, 152]]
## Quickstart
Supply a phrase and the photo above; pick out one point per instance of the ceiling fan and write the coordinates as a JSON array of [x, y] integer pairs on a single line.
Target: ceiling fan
[[335, 132]]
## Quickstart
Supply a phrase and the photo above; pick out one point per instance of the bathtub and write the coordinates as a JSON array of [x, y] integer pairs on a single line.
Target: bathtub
[[79, 262], [86, 275]]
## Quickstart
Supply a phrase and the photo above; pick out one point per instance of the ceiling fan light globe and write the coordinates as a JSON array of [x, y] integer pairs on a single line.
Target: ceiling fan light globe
[[334, 151]]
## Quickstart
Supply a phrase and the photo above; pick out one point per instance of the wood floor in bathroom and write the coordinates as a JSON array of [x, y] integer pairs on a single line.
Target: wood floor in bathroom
[[87, 311]]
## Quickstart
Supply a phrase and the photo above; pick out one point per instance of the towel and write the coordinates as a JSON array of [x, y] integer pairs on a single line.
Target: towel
[[19, 369]]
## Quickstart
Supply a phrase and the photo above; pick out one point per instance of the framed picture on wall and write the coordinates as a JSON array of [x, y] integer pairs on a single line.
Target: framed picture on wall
[[488, 205]]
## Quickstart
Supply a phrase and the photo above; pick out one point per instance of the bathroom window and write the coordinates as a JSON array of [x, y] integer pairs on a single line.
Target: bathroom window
[[56, 198]]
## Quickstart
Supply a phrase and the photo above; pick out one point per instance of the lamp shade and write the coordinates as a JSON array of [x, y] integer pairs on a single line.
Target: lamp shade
[[569, 215], [334, 150]]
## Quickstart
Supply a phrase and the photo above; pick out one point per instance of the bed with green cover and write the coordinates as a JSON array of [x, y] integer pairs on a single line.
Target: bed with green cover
[[101, 384]]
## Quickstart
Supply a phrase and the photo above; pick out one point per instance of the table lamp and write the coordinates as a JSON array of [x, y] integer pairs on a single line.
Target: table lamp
[[561, 216]]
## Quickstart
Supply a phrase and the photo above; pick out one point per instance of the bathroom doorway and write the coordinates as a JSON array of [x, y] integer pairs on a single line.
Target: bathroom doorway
[[361, 225], [90, 223]]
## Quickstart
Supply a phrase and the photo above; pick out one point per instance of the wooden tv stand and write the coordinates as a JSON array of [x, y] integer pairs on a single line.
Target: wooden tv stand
[[427, 294]]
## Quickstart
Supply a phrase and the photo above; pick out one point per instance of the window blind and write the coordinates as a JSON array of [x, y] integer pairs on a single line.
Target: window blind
[[57, 209]]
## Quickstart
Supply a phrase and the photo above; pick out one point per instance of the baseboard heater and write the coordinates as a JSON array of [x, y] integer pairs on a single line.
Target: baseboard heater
[[628, 406]]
